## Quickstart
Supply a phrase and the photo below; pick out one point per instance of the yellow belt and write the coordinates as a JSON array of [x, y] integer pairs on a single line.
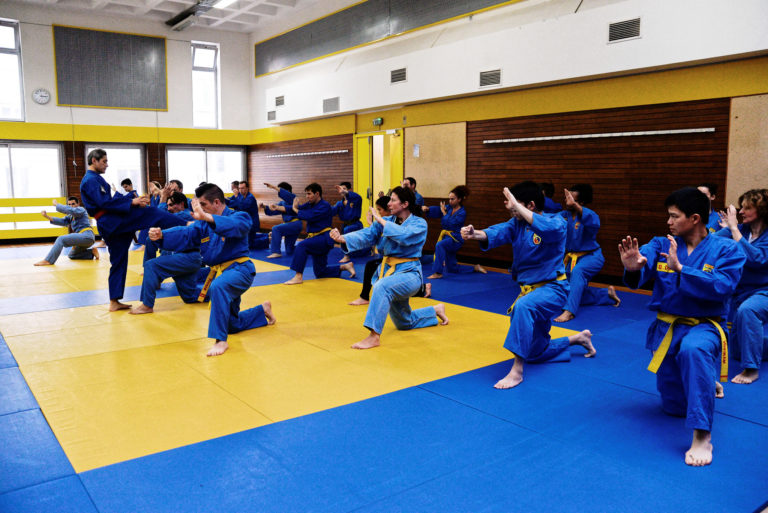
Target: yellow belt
[[292, 220], [444, 234], [573, 256], [86, 229], [527, 289], [310, 235], [392, 263], [661, 351], [216, 270]]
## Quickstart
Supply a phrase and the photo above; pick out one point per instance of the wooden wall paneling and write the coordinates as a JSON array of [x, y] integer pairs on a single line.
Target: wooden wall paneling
[[74, 166], [155, 163]]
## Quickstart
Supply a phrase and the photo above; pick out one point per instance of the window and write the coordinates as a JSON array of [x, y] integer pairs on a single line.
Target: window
[[125, 161], [29, 171], [215, 165], [11, 90], [205, 85]]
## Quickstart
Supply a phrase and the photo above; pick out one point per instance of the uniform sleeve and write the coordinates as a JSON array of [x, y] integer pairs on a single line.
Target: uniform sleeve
[[74, 213], [337, 208], [365, 238], [756, 252], [355, 205], [268, 211], [180, 238], [590, 223], [434, 212], [548, 225], [61, 221], [286, 196], [498, 235], [720, 281], [118, 203], [236, 225], [405, 234]]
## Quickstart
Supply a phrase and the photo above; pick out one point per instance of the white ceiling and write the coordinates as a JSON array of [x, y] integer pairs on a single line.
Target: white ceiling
[[241, 16]]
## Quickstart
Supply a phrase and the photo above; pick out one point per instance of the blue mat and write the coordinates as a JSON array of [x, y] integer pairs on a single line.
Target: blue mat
[[15, 395], [6, 357], [65, 495]]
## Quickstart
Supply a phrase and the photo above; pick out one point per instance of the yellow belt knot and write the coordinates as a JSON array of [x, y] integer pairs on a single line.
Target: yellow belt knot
[[527, 289], [215, 272], [392, 262], [573, 256], [312, 234], [661, 351], [444, 234]]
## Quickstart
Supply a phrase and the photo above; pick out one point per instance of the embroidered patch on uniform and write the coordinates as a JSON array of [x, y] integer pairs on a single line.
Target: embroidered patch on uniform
[[576, 226], [708, 268], [102, 189], [205, 239], [662, 267], [536, 239]]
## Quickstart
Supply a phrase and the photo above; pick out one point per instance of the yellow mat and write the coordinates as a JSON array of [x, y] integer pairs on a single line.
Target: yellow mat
[[116, 386]]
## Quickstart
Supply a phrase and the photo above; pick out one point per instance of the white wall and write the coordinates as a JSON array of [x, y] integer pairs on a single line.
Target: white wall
[[38, 64], [533, 42]]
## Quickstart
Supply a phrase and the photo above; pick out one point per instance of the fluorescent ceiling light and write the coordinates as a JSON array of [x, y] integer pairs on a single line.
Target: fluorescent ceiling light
[[224, 3]]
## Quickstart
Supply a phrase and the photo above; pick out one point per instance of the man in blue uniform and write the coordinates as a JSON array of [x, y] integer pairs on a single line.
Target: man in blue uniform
[[318, 215], [291, 226], [538, 245], [235, 198], [248, 204], [117, 218], [410, 183], [550, 205], [222, 235], [349, 209], [710, 191], [127, 186], [80, 236], [695, 276]]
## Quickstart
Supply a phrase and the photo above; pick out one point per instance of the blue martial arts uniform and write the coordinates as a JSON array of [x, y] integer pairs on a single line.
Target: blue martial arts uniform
[[551, 206], [686, 377], [117, 221], [289, 229], [233, 201], [223, 240], [391, 291], [749, 305], [80, 237], [349, 214], [249, 205], [419, 199], [538, 250], [450, 242], [713, 225], [581, 245], [318, 242], [151, 247]]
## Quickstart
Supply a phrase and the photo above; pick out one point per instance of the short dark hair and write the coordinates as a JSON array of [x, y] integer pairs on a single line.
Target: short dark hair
[[235, 182], [179, 184], [97, 154], [74, 198], [528, 191], [211, 192], [243, 182], [407, 195], [314, 187], [412, 180], [348, 185], [286, 186], [712, 187], [178, 197], [585, 193], [548, 188], [383, 202], [126, 181], [690, 200], [461, 192]]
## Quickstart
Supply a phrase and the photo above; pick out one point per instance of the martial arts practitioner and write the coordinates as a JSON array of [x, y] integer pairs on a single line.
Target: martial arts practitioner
[[176, 205], [749, 305], [410, 183], [694, 275], [318, 216], [449, 242], [550, 205], [538, 246], [399, 238], [222, 235], [349, 209], [127, 186], [583, 256], [80, 237], [248, 204], [117, 218], [710, 191], [232, 200], [291, 226]]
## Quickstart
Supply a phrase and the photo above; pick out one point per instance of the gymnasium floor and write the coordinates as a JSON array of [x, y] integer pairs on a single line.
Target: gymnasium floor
[[105, 412]]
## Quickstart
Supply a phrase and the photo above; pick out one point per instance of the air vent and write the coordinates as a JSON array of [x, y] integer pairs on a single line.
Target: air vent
[[623, 30], [279, 101], [331, 105], [490, 78], [397, 75], [271, 115]]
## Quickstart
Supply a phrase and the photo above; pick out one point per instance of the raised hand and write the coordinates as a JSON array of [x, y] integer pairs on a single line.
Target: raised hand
[[631, 258], [468, 232], [55, 203], [442, 207], [45, 215], [509, 201], [569, 201], [337, 236], [155, 234], [197, 211], [671, 256]]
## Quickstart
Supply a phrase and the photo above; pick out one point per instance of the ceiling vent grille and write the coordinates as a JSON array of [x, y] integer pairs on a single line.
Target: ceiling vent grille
[[623, 30], [279, 101], [490, 78], [397, 75], [331, 105], [271, 115]]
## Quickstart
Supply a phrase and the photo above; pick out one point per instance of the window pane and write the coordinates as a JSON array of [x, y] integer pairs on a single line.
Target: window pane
[[5, 184], [36, 172], [224, 167], [204, 58], [123, 163], [7, 37], [187, 166], [10, 86], [204, 99]]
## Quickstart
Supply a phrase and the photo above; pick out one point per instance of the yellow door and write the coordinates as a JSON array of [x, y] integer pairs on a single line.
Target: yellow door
[[378, 165]]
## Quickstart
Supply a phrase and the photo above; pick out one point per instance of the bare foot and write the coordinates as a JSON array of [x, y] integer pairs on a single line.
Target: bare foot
[[719, 391], [358, 302], [115, 305], [372, 340], [296, 280], [95, 252], [584, 339], [350, 268], [700, 453], [218, 348], [746, 377], [274, 255], [427, 290], [345, 259], [271, 319], [612, 294], [43, 262], [141, 309], [99, 244], [480, 269], [564, 317], [435, 276], [514, 378], [440, 312]]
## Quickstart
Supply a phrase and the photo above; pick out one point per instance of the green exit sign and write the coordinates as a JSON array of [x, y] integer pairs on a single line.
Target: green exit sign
[[378, 121]]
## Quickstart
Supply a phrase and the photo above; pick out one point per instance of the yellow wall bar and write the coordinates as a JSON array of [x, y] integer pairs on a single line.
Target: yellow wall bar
[[29, 233], [31, 202], [18, 218]]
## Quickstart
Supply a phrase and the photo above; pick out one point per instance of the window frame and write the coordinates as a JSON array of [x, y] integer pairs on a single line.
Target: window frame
[[144, 186], [17, 52], [194, 45], [205, 150]]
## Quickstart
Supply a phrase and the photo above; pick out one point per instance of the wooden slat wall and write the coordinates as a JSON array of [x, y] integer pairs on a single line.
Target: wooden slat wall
[[327, 170], [631, 176], [74, 174], [155, 163]]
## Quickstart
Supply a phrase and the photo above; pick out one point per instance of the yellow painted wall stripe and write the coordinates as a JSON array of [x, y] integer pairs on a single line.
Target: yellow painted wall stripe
[[30, 202], [18, 218]]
